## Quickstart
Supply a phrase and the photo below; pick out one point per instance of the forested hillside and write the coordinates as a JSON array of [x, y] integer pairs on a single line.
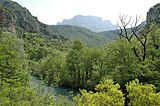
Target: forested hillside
[[114, 34], [22, 18], [125, 72], [89, 38]]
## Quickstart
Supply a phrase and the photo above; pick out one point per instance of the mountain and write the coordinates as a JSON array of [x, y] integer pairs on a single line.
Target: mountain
[[89, 38], [113, 34], [7, 20], [93, 23], [153, 13], [19, 17], [14, 18]]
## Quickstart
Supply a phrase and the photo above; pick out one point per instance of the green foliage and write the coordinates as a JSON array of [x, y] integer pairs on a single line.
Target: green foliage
[[142, 95], [83, 66], [24, 96], [122, 65], [38, 46], [24, 19], [89, 38], [50, 68], [119, 63], [14, 76], [77, 45], [13, 64], [72, 64], [107, 94], [113, 34]]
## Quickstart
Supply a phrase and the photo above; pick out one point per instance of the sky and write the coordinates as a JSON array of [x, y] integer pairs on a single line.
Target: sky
[[53, 11]]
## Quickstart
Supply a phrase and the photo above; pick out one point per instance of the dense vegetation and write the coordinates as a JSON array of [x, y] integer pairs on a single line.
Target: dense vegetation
[[125, 72], [79, 67], [112, 34], [14, 74], [89, 38]]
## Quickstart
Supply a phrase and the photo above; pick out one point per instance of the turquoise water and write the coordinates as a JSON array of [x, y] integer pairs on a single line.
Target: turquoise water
[[40, 86]]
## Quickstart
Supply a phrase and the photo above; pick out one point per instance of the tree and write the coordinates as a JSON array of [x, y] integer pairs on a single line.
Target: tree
[[12, 59], [73, 62], [13, 68], [139, 40], [50, 68], [84, 65], [119, 62], [14, 76], [107, 94], [78, 45], [142, 95], [135, 30], [91, 60]]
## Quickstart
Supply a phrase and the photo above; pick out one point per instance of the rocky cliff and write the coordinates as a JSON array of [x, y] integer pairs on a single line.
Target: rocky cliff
[[154, 13], [13, 15], [7, 20], [93, 23]]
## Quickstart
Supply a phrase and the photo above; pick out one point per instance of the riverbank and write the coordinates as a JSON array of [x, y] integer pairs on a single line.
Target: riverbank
[[35, 82]]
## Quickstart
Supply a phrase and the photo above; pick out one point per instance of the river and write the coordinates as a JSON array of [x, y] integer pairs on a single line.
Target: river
[[39, 84]]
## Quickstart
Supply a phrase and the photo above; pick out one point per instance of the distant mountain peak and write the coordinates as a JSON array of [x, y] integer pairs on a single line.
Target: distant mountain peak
[[93, 23]]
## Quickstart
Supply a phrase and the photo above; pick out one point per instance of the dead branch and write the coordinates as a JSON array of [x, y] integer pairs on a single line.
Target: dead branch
[[135, 28]]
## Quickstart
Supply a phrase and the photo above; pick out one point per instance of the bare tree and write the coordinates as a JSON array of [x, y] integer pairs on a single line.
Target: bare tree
[[127, 22]]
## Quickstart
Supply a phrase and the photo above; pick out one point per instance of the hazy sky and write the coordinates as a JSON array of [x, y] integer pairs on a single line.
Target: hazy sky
[[53, 11]]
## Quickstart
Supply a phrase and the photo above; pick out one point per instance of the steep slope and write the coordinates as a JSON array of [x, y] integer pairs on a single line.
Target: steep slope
[[154, 13], [23, 18], [90, 38], [113, 34], [110, 34], [14, 17], [93, 23], [7, 20]]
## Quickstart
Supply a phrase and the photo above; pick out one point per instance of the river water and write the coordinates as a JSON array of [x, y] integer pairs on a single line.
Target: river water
[[56, 91]]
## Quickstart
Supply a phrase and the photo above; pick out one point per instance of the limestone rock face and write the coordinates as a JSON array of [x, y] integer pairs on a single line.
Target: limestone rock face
[[93, 23], [13, 15], [7, 20], [154, 13]]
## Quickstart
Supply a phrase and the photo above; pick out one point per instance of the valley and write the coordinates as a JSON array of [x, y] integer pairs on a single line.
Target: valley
[[119, 67]]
